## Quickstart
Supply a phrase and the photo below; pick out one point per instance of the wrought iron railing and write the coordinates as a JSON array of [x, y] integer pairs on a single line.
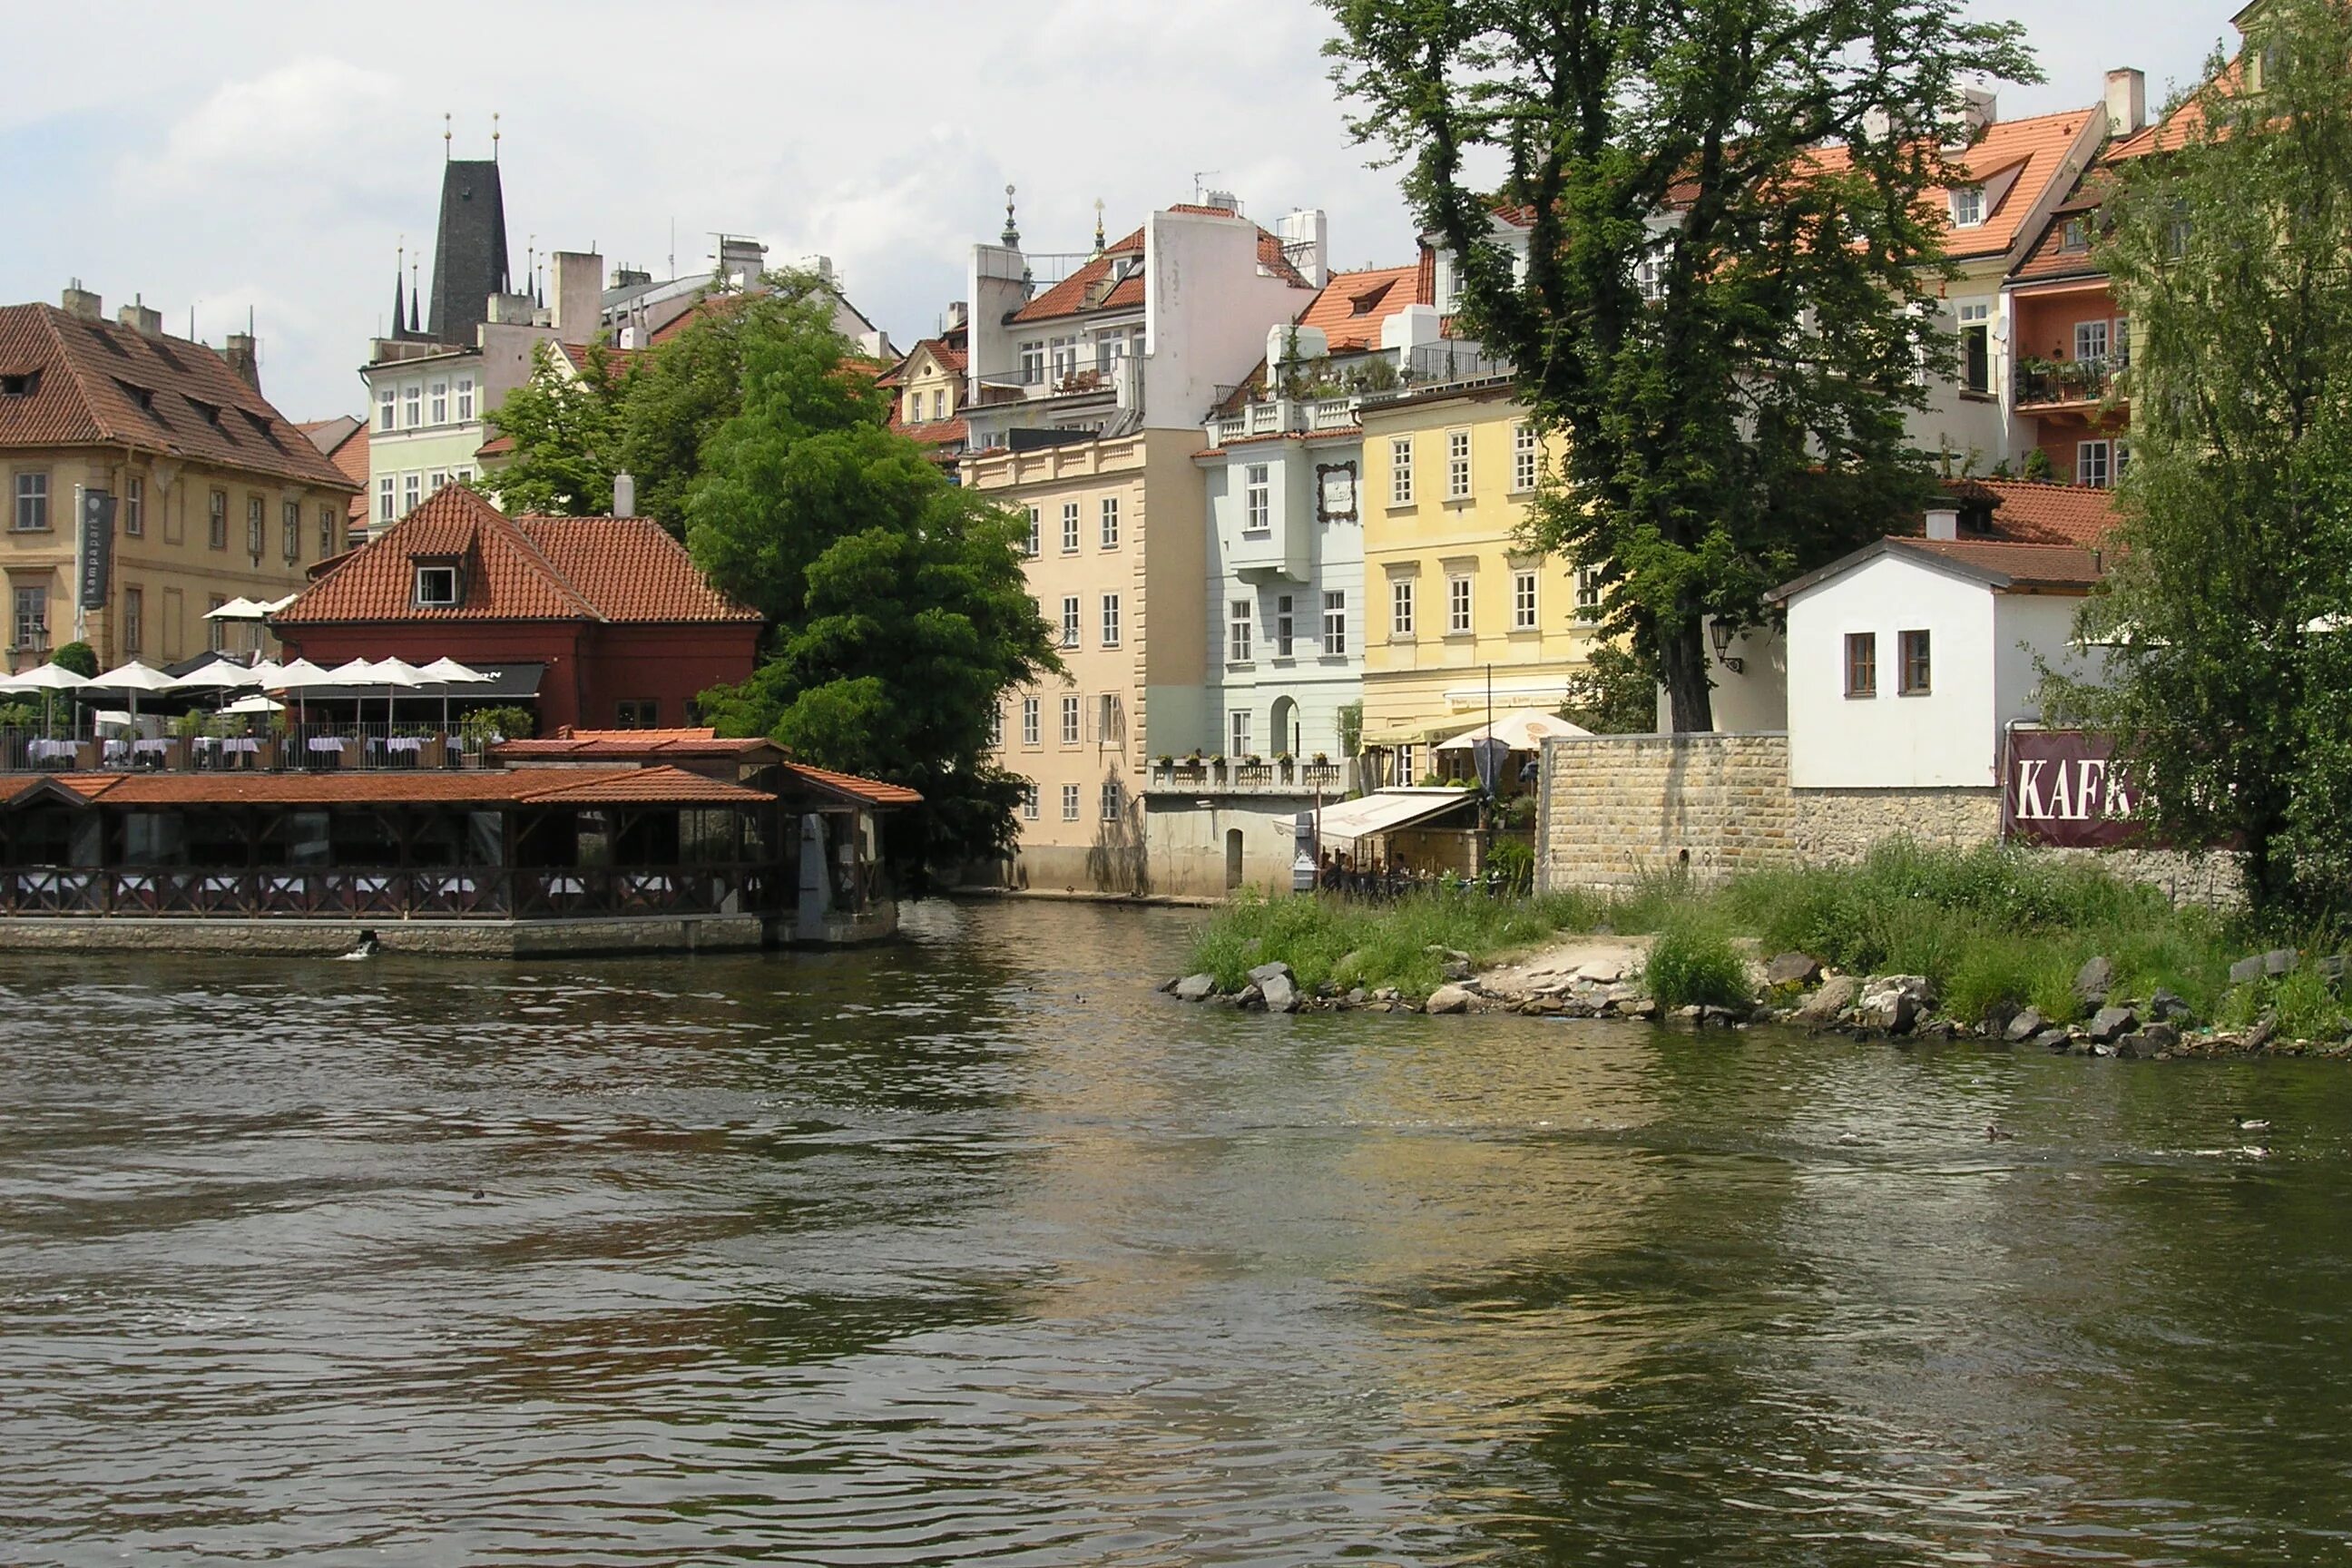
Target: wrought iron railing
[[298, 748], [452, 892]]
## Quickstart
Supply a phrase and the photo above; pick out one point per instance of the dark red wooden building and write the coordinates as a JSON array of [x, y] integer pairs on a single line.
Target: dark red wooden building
[[629, 632]]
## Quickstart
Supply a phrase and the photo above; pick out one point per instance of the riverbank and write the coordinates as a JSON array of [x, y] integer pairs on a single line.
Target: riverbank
[[1988, 943]]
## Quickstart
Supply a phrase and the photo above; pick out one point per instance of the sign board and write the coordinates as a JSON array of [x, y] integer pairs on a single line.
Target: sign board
[[1335, 492], [2059, 787], [97, 548]]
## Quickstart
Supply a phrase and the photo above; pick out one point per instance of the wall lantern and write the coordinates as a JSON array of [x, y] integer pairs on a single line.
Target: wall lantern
[[1719, 632]]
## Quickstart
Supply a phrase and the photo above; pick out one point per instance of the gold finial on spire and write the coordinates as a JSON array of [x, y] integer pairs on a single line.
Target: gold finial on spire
[[1099, 228], [1011, 237]]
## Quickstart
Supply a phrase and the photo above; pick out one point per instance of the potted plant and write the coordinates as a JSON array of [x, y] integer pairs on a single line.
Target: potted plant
[[1321, 761]]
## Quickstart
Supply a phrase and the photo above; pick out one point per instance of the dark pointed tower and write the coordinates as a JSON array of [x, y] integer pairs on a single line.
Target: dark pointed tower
[[469, 253], [399, 309]]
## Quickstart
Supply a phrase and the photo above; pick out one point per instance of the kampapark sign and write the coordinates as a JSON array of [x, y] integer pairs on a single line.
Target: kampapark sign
[[2057, 788]]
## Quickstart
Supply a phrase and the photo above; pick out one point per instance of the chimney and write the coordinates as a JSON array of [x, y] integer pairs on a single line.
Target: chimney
[[958, 314], [147, 324], [1306, 239], [579, 295], [1223, 200], [1980, 108], [79, 301], [2126, 101], [625, 494], [1943, 520], [241, 358], [742, 261]]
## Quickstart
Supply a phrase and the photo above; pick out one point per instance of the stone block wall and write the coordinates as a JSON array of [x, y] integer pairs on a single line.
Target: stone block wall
[[1837, 825], [1619, 808]]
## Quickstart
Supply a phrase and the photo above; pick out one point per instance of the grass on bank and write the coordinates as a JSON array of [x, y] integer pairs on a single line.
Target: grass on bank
[[1994, 928]]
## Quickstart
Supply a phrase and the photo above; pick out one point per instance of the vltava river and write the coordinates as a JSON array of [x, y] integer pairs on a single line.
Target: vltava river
[[973, 1248]]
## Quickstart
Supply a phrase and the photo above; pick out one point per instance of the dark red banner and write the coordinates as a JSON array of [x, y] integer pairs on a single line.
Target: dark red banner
[[2058, 787]]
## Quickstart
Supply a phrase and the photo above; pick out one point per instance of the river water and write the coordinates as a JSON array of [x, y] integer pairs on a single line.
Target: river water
[[973, 1248]]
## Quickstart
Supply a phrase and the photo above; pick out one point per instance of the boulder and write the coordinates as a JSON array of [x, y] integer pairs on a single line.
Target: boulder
[[1266, 971], [1447, 999], [1280, 992], [2280, 962], [2094, 980], [1358, 998], [1793, 969], [2024, 1026], [1455, 969], [2109, 1024], [2169, 1006], [2053, 1039], [1251, 999], [2246, 971], [1168, 987], [1835, 995], [1694, 1015], [2159, 1036], [1939, 1029], [1196, 988], [1601, 971], [1639, 1007], [1893, 1002]]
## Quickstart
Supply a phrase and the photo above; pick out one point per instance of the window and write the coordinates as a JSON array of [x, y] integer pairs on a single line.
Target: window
[[1862, 664], [1238, 739], [290, 521], [32, 619], [1400, 471], [938, 403], [436, 481], [1107, 725], [32, 502], [1037, 532], [1111, 620], [216, 520], [1238, 621], [461, 475], [1114, 804], [134, 506], [465, 398], [638, 713], [1283, 623], [436, 588], [1069, 528], [326, 531], [1523, 601], [215, 632], [2119, 345], [1029, 730], [1457, 465], [996, 727], [2091, 463], [440, 403], [1065, 360], [411, 491], [1111, 522], [1071, 715], [1029, 802], [2075, 235], [1588, 594], [1033, 362], [384, 500], [134, 619], [1400, 608], [1407, 756], [256, 525], [1968, 207], [2123, 459], [1457, 606], [1069, 803], [1976, 348], [1913, 677], [1257, 499], [386, 400], [413, 401], [1523, 458], [914, 407], [1335, 623], [1069, 620], [2091, 341]]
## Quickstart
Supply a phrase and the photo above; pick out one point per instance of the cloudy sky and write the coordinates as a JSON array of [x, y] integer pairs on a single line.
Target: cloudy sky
[[270, 155]]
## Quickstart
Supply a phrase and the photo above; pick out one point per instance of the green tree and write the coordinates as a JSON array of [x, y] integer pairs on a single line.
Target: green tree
[[901, 615], [1723, 313], [77, 656], [566, 431], [1615, 694], [2227, 620]]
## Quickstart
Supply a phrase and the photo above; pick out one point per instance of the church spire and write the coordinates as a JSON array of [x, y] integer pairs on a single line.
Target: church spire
[[399, 266], [1011, 237]]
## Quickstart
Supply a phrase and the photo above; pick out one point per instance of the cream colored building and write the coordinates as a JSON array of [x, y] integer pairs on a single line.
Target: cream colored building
[[217, 495], [1456, 605], [1107, 515]]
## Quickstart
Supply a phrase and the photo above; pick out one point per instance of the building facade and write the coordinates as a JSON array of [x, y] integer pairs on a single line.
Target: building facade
[[217, 497]]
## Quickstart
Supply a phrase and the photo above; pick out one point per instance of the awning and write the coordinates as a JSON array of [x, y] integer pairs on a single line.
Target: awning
[[1385, 811]]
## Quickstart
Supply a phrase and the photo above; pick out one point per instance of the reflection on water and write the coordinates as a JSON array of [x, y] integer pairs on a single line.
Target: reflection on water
[[974, 1248]]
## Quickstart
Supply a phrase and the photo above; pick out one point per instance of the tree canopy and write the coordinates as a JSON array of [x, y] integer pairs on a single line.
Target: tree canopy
[[2227, 620], [1727, 290], [567, 436]]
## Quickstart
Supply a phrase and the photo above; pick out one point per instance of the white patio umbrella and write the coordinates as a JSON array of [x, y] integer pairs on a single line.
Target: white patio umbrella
[[1521, 730], [254, 702], [218, 675], [48, 679], [445, 671], [238, 609], [392, 674], [132, 679], [295, 677]]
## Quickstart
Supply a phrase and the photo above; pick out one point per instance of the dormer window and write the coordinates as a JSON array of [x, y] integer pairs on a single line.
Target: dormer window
[[2076, 235], [437, 586], [1968, 207], [20, 384]]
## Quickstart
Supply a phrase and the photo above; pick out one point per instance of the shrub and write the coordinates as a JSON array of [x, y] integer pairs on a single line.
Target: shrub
[[77, 656], [508, 724], [1692, 962]]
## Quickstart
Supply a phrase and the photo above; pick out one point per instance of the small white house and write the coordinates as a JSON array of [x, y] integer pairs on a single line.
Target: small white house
[[1906, 659]]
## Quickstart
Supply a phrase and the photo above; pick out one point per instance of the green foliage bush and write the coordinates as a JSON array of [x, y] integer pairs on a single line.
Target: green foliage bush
[[1693, 962], [77, 656]]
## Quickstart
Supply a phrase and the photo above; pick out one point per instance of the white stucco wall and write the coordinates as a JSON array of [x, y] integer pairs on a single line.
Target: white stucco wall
[[2027, 627], [1946, 736], [1206, 311]]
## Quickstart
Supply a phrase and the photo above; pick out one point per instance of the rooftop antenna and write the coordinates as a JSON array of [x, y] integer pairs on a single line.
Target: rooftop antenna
[[448, 152], [673, 245], [1201, 178]]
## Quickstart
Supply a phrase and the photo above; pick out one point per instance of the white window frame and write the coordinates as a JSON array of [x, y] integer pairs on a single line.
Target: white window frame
[[1975, 317], [1526, 457], [1073, 721], [1111, 522], [1037, 532], [1069, 528], [1285, 623], [1240, 623], [465, 399], [1070, 623], [2095, 463], [385, 500], [1335, 623], [1968, 207], [1525, 601], [387, 407], [1111, 620], [435, 578], [1032, 362], [1258, 498], [1401, 609], [412, 485], [1400, 470], [29, 624], [1029, 803], [1069, 803], [1107, 724], [439, 397], [134, 506], [1033, 728], [30, 495], [1457, 465], [1461, 604], [1241, 736], [2091, 340], [1114, 801], [1588, 594], [412, 405]]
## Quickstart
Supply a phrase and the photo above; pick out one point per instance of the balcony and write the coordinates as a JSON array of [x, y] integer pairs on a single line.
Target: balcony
[[319, 747], [2069, 383], [1245, 776]]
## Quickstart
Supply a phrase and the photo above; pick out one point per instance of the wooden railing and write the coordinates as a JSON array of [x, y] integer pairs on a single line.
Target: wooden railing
[[455, 892]]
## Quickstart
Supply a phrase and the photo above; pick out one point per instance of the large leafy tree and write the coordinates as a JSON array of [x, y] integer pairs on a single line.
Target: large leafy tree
[[566, 431], [1726, 292], [2227, 617], [901, 617]]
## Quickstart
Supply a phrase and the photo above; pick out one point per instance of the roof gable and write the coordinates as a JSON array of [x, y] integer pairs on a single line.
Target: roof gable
[[1996, 565]]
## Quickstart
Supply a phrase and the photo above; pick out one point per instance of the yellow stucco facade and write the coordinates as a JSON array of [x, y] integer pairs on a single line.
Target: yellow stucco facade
[[1452, 597]]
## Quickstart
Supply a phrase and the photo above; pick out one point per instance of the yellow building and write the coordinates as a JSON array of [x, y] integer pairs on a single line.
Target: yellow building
[[1453, 604], [217, 497], [1131, 661]]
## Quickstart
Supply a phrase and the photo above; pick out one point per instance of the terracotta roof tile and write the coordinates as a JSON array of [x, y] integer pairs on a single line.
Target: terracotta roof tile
[[530, 568], [2035, 147], [635, 745], [2022, 565], [2028, 512], [1072, 295], [1350, 307], [873, 792], [100, 383]]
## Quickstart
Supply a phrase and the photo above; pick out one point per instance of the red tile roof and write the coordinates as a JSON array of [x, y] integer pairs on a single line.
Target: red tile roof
[[2035, 147], [2017, 565], [347, 450], [530, 568], [1074, 295], [633, 745], [100, 383], [618, 362], [2033, 513], [934, 432], [657, 785], [1350, 307], [872, 792]]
